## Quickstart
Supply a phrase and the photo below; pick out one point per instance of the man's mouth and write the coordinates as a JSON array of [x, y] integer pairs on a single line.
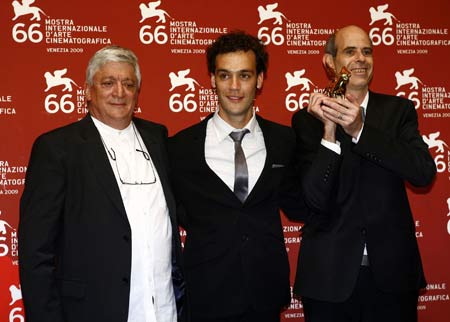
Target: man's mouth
[[358, 70], [234, 98]]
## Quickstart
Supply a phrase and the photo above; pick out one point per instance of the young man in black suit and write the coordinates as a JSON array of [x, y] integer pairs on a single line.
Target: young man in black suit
[[359, 259], [236, 262], [98, 234]]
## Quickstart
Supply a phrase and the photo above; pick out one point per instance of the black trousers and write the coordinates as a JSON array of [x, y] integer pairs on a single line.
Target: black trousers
[[366, 304], [249, 316]]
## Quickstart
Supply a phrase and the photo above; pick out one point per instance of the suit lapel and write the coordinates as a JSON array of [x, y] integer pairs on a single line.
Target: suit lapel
[[100, 164], [198, 145], [374, 111], [271, 143]]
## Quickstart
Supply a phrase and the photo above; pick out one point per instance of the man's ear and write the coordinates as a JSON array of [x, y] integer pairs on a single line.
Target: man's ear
[[259, 80], [328, 61], [328, 64], [87, 92], [213, 80]]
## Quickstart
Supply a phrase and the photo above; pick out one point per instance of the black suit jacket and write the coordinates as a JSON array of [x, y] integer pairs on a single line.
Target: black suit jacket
[[360, 197], [234, 254], [74, 235]]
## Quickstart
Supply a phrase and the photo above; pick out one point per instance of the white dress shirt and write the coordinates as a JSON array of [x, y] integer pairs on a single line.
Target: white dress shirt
[[151, 289], [219, 150]]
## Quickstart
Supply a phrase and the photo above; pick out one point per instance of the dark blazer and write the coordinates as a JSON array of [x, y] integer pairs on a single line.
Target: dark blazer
[[74, 235], [360, 197], [235, 257]]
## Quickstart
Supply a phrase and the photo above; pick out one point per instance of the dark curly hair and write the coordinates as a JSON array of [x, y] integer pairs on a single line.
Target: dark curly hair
[[237, 40]]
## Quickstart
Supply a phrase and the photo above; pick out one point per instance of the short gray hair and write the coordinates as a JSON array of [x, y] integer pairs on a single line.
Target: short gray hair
[[112, 54]]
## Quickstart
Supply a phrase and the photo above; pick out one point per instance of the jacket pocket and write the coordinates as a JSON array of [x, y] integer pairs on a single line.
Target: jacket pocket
[[71, 288]]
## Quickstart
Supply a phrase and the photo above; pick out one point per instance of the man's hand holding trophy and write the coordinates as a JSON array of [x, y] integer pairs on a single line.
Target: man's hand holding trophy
[[338, 83]]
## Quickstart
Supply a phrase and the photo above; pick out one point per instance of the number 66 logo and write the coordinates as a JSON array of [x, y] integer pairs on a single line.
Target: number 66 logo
[[20, 35], [384, 37], [177, 103], [52, 105]]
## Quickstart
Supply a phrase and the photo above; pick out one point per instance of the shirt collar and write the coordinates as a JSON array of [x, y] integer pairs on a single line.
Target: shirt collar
[[108, 130], [223, 129], [365, 101]]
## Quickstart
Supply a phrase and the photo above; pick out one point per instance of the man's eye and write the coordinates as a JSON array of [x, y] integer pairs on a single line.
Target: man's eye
[[107, 84]]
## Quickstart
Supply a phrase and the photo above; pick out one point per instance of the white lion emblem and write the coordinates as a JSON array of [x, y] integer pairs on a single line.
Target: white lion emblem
[[406, 78], [148, 11], [267, 13], [16, 294], [180, 79], [24, 8], [433, 142], [56, 80], [3, 225], [296, 79], [379, 14]]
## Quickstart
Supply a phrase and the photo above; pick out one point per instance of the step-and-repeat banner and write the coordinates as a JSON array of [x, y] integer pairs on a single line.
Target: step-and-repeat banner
[[45, 46]]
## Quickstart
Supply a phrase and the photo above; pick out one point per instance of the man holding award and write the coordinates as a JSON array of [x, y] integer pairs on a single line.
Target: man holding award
[[359, 259]]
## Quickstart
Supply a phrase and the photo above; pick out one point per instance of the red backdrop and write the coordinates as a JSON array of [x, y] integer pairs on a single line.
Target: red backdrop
[[46, 45]]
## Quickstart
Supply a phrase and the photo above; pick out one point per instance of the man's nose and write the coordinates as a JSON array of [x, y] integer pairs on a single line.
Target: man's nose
[[235, 83], [360, 56], [119, 89]]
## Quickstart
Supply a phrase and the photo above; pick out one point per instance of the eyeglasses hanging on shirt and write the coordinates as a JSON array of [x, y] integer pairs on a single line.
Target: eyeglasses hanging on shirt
[[125, 177]]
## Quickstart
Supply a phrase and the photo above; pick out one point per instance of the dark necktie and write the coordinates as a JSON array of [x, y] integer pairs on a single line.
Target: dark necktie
[[240, 166]]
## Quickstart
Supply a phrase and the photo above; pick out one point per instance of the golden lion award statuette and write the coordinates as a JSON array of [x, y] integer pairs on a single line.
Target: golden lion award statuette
[[338, 83]]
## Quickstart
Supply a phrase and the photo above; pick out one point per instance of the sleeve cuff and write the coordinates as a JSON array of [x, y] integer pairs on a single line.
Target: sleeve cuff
[[336, 147]]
